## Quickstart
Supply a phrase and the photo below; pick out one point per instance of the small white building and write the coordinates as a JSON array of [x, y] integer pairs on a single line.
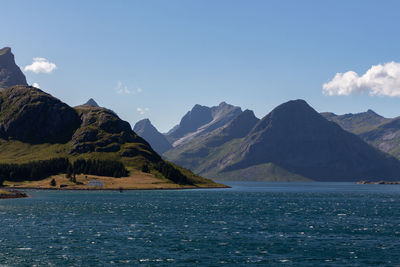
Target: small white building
[[96, 183]]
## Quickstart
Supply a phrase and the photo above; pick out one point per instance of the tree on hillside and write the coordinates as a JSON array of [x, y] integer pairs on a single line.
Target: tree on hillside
[[53, 182], [145, 168]]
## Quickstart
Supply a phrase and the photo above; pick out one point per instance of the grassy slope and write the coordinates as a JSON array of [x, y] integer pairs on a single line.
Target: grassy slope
[[267, 172], [136, 180], [19, 152]]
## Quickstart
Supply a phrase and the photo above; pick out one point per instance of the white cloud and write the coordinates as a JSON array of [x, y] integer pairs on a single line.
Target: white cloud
[[381, 80], [142, 111], [41, 65], [36, 85], [123, 89]]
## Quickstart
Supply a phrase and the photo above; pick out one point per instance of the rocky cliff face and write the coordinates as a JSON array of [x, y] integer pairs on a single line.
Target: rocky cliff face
[[146, 130], [202, 120], [198, 116], [10, 73], [30, 115]]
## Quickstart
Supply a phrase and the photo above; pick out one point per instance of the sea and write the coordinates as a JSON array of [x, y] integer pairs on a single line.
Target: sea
[[252, 223]]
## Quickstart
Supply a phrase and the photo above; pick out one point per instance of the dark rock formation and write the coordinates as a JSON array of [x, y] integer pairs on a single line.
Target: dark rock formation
[[146, 130], [102, 130], [30, 115], [10, 73]]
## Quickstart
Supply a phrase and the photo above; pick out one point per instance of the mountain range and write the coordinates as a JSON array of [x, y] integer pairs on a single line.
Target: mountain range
[[292, 143], [382, 133]]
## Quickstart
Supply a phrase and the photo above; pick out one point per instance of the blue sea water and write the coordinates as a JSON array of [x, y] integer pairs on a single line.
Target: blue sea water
[[297, 224]]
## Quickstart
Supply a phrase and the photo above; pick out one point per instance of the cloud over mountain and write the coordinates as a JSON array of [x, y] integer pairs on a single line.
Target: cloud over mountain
[[380, 80], [123, 89], [142, 111], [41, 65]]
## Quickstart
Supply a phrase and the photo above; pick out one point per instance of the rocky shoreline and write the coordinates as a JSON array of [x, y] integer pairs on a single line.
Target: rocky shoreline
[[379, 182], [4, 194]]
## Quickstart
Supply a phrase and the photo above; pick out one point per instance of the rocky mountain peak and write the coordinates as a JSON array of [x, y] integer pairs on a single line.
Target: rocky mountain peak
[[145, 129], [10, 73], [198, 116], [5, 51], [92, 103], [241, 125]]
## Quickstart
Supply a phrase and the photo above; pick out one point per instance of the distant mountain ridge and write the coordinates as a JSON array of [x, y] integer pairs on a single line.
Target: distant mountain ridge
[[158, 141], [382, 133], [202, 120], [10, 73], [357, 123], [293, 142]]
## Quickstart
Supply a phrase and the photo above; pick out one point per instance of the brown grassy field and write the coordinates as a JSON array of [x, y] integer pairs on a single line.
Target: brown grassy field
[[137, 180]]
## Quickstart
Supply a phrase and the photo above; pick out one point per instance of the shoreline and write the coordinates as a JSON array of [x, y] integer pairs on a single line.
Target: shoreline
[[116, 189], [103, 183], [8, 194], [378, 182]]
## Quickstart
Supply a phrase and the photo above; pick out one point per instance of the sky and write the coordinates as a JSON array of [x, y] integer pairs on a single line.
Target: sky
[[157, 59]]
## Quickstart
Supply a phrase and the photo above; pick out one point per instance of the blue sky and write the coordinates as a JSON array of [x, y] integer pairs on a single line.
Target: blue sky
[[254, 54]]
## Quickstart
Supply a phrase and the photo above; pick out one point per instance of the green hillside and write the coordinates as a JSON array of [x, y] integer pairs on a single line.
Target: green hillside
[[35, 126]]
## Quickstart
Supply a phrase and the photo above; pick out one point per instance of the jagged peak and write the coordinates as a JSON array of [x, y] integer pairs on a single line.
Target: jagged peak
[[143, 122], [91, 102], [370, 111], [5, 50], [248, 112]]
